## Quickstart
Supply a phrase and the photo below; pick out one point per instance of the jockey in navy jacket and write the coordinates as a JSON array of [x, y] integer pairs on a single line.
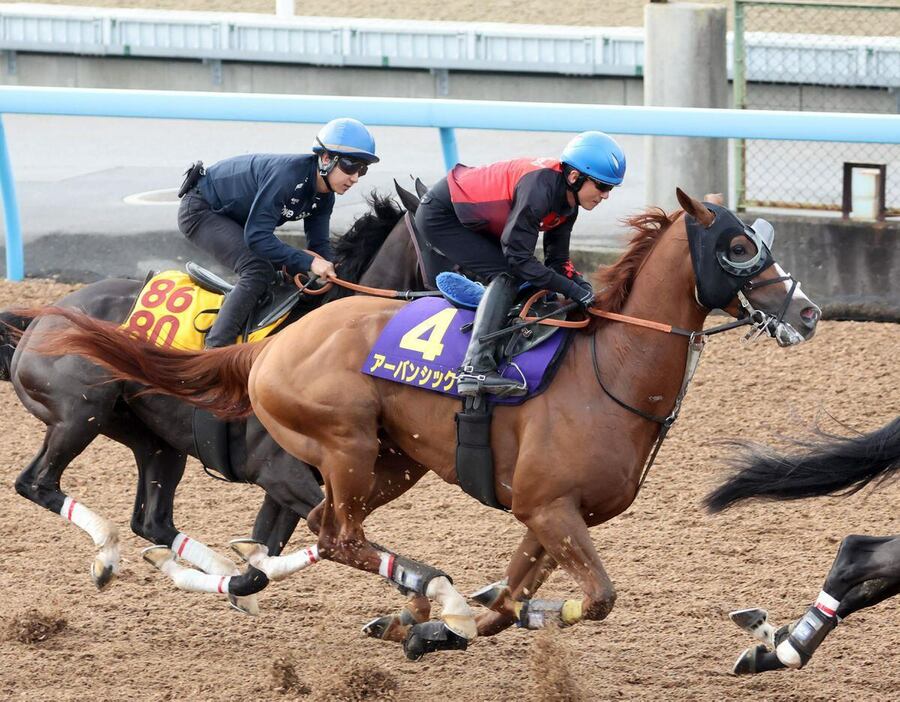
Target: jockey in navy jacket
[[262, 192]]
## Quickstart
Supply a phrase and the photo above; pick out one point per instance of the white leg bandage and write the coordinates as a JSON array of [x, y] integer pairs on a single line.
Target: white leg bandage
[[193, 580], [99, 529], [202, 556], [279, 567], [826, 604]]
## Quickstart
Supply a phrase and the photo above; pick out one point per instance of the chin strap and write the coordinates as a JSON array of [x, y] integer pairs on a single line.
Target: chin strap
[[577, 185], [324, 170]]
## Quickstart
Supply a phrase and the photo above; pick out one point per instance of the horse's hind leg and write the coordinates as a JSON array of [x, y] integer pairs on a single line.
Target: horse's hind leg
[[39, 482], [272, 530], [865, 572], [341, 539], [160, 469], [859, 559]]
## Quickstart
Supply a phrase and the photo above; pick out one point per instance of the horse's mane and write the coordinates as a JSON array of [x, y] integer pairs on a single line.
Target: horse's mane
[[354, 251], [613, 283]]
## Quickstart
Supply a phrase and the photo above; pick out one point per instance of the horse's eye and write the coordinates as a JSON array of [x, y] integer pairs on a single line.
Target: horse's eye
[[738, 250]]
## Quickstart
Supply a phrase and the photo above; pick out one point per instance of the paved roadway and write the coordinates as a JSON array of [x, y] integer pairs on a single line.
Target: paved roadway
[[73, 175]]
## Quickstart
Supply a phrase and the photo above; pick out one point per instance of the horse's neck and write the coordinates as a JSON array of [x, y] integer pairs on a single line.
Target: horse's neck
[[646, 362], [663, 289], [395, 266]]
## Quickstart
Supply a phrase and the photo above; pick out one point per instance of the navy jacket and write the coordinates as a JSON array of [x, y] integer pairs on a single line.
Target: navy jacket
[[262, 192]]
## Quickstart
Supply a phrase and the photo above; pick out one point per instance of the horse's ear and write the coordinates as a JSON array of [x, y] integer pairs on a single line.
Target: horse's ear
[[694, 208], [409, 201], [421, 188]]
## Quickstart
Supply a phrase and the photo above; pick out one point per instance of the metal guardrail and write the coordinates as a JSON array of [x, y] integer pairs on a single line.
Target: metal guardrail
[[612, 51], [444, 115]]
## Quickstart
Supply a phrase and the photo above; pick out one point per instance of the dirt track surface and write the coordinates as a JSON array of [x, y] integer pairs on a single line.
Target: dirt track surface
[[678, 572]]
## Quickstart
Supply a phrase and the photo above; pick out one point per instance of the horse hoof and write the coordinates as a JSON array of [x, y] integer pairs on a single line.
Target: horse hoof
[[102, 574], [249, 604], [489, 594], [247, 548], [783, 632], [432, 636], [755, 622], [158, 555], [462, 626], [746, 662], [378, 627]]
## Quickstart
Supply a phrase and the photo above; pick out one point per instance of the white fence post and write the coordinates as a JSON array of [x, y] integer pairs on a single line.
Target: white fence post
[[284, 8]]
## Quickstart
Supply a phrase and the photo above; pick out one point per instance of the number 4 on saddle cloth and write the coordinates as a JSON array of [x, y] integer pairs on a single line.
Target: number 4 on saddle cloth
[[424, 345], [176, 309]]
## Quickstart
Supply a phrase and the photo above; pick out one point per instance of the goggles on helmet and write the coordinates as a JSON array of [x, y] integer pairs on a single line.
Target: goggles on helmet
[[600, 185], [351, 166]]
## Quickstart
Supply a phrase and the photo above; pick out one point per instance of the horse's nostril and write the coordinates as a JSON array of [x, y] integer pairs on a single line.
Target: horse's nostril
[[810, 315]]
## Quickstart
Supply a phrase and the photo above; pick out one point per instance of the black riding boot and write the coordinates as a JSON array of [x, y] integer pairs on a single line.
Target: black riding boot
[[479, 368], [235, 311]]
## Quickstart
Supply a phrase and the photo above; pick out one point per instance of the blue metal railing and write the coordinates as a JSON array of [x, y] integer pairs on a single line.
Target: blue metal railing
[[444, 115]]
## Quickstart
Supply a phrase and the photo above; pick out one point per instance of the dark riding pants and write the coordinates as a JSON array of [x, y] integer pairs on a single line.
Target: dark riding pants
[[223, 239], [453, 245]]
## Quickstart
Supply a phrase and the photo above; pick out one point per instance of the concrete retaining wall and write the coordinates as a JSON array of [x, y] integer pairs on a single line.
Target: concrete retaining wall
[[169, 74]]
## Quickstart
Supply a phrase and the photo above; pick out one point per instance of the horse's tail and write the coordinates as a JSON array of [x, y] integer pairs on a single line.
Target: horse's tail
[[214, 379], [11, 327], [828, 465]]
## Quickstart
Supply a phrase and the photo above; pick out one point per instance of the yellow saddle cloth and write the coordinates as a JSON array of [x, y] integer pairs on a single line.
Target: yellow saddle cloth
[[173, 311]]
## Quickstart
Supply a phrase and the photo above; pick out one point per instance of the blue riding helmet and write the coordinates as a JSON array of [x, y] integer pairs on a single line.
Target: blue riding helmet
[[596, 155], [348, 137]]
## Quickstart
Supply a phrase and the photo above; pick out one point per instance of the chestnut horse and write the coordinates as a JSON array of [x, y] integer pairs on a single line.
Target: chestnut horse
[[372, 439]]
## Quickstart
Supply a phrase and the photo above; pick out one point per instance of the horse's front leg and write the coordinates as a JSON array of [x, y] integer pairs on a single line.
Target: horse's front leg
[[530, 566], [563, 533]]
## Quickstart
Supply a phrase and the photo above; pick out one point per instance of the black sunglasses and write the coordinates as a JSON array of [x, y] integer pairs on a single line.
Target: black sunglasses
[[600, 185], [351, 166]]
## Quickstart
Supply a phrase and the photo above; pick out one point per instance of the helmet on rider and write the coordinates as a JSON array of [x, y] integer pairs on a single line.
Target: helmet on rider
[[597, 156], [348, 137]]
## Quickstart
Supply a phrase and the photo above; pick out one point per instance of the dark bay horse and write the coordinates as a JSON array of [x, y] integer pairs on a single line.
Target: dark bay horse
[[77, 402], [566, 460], [866, 570]]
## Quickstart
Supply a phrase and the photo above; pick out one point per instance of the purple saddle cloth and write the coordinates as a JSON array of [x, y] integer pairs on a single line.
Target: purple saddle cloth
[[423, 346]]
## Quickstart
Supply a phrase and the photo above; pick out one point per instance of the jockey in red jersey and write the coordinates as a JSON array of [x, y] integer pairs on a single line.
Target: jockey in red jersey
[[485, 222]]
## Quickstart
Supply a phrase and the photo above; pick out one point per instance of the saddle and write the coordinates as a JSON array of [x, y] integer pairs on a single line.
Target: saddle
[[474, 457], [278, 300], [461, 292]]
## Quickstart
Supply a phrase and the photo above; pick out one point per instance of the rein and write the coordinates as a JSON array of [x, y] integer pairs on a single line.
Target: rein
[[407, 295]]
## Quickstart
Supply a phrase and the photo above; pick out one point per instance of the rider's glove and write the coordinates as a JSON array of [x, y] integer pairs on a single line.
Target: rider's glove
[[581, 292]]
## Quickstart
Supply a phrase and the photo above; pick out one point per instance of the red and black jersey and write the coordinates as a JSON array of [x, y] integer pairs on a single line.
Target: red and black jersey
[[515, 201]]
